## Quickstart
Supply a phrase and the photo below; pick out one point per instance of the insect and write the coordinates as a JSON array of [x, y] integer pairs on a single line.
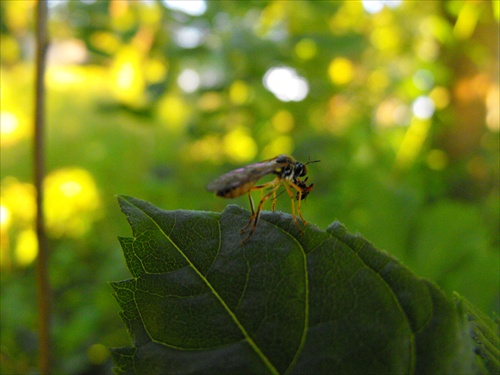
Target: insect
[[288, 172], [305, 190]]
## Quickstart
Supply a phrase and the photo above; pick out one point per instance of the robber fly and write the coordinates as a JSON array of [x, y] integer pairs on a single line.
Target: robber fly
[[288, 172]]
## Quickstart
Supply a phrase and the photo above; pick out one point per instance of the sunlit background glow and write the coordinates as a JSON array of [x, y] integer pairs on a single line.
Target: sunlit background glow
[[375, 6], [189, 80], [423, 107], [341, 71], [72, 205], [189, 36], [191, 7], [286, 84]]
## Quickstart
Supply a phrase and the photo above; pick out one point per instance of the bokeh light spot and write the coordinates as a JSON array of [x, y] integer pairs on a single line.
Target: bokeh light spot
[[306, 49], [189, 80], [492, 108], [286, 84], [26, 247], [5, 217], [173, 111], [97, 354], [341, 71], [155, 70], [19, 199], [210, 101], [192, 7], [440, 96], [280, 145], [423, 107], [423, 79], [71, 202], [127, 78], [283, 121], [239, 92], [437, 159], [386, 38], [239, 145], [375, 6], [9, 123]]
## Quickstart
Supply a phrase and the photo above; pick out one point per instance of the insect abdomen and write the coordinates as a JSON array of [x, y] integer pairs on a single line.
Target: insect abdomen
[[235, 191]]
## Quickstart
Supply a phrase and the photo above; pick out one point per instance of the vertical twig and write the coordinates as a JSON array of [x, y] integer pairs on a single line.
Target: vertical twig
[[44, 293]]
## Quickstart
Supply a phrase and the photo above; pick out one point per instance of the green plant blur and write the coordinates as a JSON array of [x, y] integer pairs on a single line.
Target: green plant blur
[[154, 102]]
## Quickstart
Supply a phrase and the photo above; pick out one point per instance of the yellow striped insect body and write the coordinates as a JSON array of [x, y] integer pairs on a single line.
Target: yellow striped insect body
[[288, 172]]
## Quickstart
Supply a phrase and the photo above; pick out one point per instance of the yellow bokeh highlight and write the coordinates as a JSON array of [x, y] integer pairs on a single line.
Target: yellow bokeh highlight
[[13, 128], [105, 41], [378, 80], [5, 217], [155, 70], [210, 101], [306, 49], [66, 76], [492, 107], [127, 76], [173, 111], [386, 38], [122, 17], [150, 15], [18, 14], [206, 148], [466, 21], [384, 114], [412, 142], [437, 159], [239, 92], [272, 14], [283, 121], [71, 202], [19, 199], [239, 145], [440, 96], [97, 354], [280, 145], [340, 110], [341, 71], [10, 49], [26, 247], [347, 18], [9, 123]]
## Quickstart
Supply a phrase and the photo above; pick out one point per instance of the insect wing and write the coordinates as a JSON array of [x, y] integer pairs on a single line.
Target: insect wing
[[241, 176]]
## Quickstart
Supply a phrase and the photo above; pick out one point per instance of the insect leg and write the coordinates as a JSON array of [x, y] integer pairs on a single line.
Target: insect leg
[[299, 198], [276, 182], [255, 215], [292, 198], [253, 211], [274, 201], [251, 203]]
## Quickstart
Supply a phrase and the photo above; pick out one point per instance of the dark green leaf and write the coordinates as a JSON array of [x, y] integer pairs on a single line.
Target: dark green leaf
[[200, 301]]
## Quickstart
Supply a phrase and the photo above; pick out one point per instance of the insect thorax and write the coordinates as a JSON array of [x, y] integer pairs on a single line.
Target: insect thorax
[[292, 171]]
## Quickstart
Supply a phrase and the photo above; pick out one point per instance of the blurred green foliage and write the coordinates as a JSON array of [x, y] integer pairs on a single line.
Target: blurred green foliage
[[154, 102]]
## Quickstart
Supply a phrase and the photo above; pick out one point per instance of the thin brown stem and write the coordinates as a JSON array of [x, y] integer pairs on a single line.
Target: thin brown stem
[[44, 292]]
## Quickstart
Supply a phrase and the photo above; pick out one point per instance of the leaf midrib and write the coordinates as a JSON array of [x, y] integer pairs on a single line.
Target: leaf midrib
[[247, 336]]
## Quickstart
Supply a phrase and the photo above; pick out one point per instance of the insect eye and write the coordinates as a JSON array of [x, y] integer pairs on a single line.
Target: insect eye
[[300, 170]]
